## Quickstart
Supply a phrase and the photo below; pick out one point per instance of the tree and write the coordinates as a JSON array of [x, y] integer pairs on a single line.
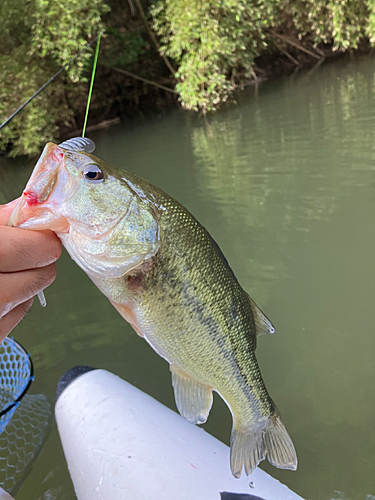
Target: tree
[[215, 45], [37, 38], [215, 42]]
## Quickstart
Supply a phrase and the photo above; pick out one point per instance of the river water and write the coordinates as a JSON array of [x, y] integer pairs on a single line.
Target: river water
[[285, 183]]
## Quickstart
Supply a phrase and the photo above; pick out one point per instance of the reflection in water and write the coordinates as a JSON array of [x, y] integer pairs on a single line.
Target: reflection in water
[[339, 495], [291, 171], [282, 160], [285, 184]]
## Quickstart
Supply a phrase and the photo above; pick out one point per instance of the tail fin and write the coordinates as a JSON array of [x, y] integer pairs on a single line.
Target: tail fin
[[279, 445], [248, 448]]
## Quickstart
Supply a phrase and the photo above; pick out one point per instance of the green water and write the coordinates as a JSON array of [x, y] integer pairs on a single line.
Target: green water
[[285, 183]]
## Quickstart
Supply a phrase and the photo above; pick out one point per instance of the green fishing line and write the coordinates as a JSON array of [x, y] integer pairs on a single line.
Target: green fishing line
[[91, 83]]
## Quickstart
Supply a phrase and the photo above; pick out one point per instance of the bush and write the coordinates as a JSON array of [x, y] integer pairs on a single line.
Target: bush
[[210, 41], [37, 38], [214, 45], [215, 42]]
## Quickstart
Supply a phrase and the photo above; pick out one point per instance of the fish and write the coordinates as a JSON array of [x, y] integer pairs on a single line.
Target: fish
[[168, 278]]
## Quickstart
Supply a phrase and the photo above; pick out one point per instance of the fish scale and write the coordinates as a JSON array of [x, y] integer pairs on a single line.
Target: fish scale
[[168, 278]]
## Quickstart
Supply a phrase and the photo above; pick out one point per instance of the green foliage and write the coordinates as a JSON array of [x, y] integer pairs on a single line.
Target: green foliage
[[126, 47], [210, 40], [343, 23], [214, 45], [216, 41], [370, 28], [37, 38]]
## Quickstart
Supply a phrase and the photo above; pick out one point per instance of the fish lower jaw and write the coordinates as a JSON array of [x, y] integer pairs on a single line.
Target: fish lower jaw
[[37, 216], [59, 226], [62, 231]]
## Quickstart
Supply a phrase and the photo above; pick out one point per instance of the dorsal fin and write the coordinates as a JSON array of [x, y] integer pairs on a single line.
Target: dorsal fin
[[262, 323], [79, 144]]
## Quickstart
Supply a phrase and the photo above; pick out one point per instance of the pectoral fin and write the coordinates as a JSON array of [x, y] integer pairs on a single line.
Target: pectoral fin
[[128, 314], [262, 323], [193, 399]]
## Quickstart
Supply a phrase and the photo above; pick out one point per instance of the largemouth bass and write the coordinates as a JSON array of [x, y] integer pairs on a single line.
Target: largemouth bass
[[167, 277]]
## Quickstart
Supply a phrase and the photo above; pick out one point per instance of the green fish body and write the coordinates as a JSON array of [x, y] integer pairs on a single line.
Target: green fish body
[[166, 275]]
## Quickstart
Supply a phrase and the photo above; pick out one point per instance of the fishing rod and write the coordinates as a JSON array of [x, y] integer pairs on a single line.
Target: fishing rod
[[91, 83], [40, 294], [51, 80]]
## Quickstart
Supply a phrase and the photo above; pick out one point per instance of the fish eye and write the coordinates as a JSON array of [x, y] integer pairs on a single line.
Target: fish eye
[[92, 173]]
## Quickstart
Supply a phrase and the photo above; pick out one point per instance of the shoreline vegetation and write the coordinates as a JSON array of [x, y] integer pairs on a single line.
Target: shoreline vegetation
[[193, 54]]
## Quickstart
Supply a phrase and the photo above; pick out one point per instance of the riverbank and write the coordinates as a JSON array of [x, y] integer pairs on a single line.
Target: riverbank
[[155, 55], [119, 93]]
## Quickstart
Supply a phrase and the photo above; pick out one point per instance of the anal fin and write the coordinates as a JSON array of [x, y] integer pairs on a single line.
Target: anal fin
[[193, 399]]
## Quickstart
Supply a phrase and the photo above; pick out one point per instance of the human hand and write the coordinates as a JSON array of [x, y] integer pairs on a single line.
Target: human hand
[[26, 268]]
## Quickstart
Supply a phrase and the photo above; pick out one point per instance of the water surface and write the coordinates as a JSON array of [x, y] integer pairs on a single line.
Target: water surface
[[284, 181]]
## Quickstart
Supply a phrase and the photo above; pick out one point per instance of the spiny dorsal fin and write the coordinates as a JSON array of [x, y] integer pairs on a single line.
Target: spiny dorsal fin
[[193, 399], [262, 323], [79, 144]]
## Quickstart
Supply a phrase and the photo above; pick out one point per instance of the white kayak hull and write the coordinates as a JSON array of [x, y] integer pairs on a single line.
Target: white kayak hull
[[120, 443], [4, 495]]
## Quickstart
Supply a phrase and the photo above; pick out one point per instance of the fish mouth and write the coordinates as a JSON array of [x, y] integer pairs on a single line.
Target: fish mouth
[[37, 207], [36, 217]]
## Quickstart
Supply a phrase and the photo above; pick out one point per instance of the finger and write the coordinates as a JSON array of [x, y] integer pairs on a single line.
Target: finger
[[6, 210], [16, 288], [10, 320], [22, 249]]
